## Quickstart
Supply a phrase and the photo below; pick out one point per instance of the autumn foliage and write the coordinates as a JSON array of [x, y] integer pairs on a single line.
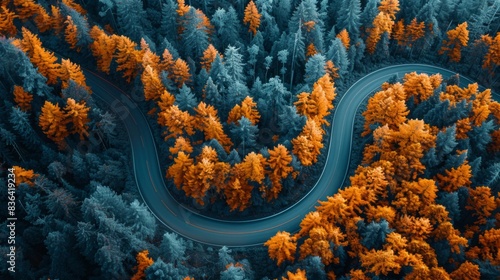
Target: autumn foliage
[[392, 216], [252, 17], [22, 98], [143, 262], [39, 56], [457, 38], [24, 176]]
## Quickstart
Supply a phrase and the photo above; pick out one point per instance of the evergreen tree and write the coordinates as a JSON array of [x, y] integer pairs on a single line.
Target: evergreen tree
[[315, 69], [159, 270], [349, 19], [131, 16], [369, 13], [20, 123], [194, 34], [374, 234], [173, 248], [245, 135], [186, 99], [233, 63], [338, 55], [227, 27], [168, 20]]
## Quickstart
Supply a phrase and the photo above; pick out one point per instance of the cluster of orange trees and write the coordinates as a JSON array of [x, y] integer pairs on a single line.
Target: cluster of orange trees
[[389, 222], [196, 176]]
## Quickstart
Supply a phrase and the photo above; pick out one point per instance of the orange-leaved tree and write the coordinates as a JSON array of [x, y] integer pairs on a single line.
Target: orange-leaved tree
[[72, 71], [75, 6], [167, 61], [383, 22], [41, 58], [386, 107], [247, 109], [457, 38], [282, 247], [127, 57], [278, 168], [57, 19], [24, 176], [311, 50], [7, 27], [389, 7], [153, 87], [252, 17], [180, 167], [209, 123], [420, 86], [102, 47], [53, 122], [466, 271], [208, 58], [149, 58], [77, 117], [25, 8], [180, 72], [143, 262], [71, 34], [454, 178], [492, 57], [22, 98], [298, 275], [414, 31], [178, 122], [344, 38], [308, 144]]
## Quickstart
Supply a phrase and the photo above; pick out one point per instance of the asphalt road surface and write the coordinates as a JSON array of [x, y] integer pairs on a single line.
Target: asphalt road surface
[[149, 175]]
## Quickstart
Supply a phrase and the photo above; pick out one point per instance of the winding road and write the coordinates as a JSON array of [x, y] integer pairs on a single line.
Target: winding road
[[149, 175]]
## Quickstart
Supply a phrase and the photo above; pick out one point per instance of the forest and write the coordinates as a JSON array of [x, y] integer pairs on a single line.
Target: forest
[[240, 98]]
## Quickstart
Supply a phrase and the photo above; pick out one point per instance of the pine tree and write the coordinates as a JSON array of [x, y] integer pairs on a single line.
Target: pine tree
[[57, 19], [131, 16], [349, 19], [167, 62], [195, 33], [42, 19]]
